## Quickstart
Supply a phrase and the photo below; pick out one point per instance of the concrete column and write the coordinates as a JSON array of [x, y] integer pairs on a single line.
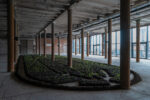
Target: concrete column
[[125, 44], [79, 46], [105, 43], [36, 44], [40, 44], [138, 41], [88, 44], [109, 42], [11, 37], [53, 45], [45, 43], [75, 45], [16, 43], [15, 51], [69, 37], [82, 38], [58, 45], [35, 39]]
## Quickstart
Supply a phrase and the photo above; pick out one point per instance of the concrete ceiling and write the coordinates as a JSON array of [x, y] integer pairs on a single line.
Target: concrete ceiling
[[143, 15], [33, 15]]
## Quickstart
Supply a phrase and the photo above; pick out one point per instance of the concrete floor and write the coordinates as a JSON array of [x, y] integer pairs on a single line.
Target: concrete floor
[[13, 89]]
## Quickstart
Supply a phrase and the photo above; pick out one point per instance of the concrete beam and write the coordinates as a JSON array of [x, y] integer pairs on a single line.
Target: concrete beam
[[113, 16], [66, 9]]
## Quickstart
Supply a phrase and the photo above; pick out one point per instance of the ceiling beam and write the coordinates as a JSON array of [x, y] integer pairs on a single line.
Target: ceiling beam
[[66, 8], [112, 17]]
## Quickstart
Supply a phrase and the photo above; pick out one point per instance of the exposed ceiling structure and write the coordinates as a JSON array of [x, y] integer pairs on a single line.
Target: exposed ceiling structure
[[32, 16]]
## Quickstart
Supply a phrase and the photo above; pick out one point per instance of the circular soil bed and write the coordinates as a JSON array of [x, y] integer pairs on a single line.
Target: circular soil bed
[[84, 75]]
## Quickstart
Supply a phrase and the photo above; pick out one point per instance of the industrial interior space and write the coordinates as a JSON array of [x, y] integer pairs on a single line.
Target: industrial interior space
[[74, 49]]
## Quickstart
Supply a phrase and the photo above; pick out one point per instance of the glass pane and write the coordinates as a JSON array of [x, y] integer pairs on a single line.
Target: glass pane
[[113, 44], [91, 45], [100, 48], [118, 37], [118, 49], [113, 37], [98, 38], [94, 39], [77, 45], [143, 51], [85, 44], [118, 43], [148, 33], [134, 35], [73, 45], [94, 50], [148, 42], [134, 50], [143, 34], [97, 50], [149, 49], [113, 50]]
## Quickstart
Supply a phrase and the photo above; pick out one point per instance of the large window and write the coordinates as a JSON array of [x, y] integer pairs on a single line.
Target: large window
[[118, 43], [73, 45], [143, 42], [100, 48], [143, 34], [133, 45], [92, 37], [148, 43], [78, 46], [96, 43], [113, 43], [85, 44]]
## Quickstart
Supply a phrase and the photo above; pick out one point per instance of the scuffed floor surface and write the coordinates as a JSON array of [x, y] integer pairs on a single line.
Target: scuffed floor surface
[[14, 89]]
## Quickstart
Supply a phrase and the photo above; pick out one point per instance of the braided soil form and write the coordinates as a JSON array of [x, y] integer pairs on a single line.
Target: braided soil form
[[84, 75]]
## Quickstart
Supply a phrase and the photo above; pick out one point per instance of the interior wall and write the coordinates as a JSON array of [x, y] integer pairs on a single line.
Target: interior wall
[[3, 55], [3, 36], [26, 47], [63, 46]]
